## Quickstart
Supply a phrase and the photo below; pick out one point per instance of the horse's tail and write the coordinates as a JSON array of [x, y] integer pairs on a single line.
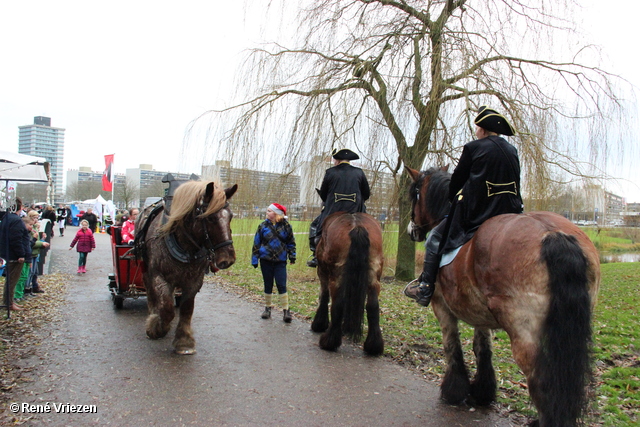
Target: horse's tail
[[563, 365], [354, 282]]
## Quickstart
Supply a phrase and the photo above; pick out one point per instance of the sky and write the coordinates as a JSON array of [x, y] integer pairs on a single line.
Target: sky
[[128, 77]]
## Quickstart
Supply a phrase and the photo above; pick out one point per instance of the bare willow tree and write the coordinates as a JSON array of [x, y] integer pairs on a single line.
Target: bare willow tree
[[400, 82]]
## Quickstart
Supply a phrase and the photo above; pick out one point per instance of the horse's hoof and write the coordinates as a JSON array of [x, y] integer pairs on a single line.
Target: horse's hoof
[[185, 351], [329, 342]]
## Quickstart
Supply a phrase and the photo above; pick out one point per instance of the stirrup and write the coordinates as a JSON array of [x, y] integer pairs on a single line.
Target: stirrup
[[421, 292]]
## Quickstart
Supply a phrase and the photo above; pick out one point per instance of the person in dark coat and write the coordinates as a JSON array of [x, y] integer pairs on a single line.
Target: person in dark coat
[[273, 244], [485, 183], [91, 218], [14, 251], [49, 213], [344, 189]]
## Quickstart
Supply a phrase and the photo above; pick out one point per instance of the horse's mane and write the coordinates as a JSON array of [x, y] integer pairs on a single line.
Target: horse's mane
[[437, 200], [187, 198]]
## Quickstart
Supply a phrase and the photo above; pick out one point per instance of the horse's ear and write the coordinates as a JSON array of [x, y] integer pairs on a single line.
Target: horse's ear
[[231, 191], [445, 168], [412, 172], [208, 194], [209, 191]]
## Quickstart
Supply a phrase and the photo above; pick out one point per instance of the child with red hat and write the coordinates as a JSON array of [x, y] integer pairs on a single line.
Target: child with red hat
[[272, 245]]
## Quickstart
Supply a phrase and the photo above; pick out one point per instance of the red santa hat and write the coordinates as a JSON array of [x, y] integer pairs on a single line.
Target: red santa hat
[[278, 208]]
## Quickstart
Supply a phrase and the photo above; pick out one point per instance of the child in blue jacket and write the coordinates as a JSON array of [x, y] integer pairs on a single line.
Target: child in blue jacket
[[272, 245]]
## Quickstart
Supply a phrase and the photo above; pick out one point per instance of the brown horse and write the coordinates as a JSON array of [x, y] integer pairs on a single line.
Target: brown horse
[[535, 275], [195, 238], [350, 264]]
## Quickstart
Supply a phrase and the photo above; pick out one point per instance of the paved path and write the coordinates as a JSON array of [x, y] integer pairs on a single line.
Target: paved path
[[247, 371]]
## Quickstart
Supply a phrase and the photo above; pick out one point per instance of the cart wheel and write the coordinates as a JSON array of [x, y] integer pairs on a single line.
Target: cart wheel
[[178, 299], [118, 301]]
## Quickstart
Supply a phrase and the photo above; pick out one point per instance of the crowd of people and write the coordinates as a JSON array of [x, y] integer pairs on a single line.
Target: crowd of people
[[25, 239], [25, 236]]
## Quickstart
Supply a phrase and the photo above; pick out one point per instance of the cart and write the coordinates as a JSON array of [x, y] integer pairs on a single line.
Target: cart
[[127, 279]]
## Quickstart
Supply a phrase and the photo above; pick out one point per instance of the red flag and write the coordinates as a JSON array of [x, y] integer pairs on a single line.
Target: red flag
[[107, 176]]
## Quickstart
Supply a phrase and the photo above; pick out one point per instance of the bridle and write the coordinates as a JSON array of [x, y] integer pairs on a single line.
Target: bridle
[[206, 250], [415, 198], [208, 243]]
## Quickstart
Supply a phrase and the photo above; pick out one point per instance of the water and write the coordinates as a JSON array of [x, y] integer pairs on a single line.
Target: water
[[624, 257]]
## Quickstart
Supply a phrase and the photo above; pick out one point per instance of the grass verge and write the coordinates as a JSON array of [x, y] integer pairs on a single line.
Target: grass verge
[[413, 339]]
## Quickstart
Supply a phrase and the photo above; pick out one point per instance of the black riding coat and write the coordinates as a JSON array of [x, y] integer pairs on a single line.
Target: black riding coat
[[344, 189], [488, 174]]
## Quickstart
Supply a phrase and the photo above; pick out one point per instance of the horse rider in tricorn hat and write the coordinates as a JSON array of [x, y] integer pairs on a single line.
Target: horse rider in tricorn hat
[[485, 183], [344, 189]]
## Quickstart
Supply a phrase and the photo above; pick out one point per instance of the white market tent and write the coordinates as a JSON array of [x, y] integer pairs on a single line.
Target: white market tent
[[99, 205], [22, 168]]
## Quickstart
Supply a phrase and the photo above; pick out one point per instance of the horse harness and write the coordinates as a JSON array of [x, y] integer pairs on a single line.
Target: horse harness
[[206, 251], [417, 187]]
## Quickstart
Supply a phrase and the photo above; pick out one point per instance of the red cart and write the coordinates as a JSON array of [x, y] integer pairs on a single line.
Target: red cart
[[126, 280]]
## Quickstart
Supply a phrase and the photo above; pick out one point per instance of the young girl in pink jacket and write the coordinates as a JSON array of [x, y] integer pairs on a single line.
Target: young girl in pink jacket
[[86, 243]]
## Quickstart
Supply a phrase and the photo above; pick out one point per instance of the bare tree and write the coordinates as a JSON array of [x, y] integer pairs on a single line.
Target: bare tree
[[126, 193], [400, 82], [155, 189], [73, 192], [31, 192]]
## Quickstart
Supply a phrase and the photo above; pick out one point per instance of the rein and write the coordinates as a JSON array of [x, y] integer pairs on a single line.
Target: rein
[[435, 207], [206, 250], [415, 197]]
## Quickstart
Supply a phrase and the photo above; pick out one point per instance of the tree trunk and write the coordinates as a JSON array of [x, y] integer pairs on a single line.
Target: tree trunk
[[405, 263]]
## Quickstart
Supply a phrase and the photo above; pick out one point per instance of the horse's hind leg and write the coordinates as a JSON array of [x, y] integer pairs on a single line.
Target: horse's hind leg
[[184, 342], [332, 339], [161, 310], [483, 386], [374, 344], [455, 385], [321, 320]]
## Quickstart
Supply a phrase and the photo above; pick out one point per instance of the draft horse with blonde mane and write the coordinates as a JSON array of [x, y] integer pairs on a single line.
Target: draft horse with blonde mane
[[535, 275], [350, 262], [181, 243]]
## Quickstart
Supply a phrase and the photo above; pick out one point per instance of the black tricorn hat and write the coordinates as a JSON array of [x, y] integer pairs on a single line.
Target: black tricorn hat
[[493, 121], [344, 154]]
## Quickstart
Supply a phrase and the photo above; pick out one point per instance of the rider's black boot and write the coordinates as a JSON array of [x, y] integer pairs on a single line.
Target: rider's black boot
[[313, 262], [422, 291]]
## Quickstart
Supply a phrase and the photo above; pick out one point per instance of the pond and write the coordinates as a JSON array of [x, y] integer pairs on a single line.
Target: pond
[[622, 257]]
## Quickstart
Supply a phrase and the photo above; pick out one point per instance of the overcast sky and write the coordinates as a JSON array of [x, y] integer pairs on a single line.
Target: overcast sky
[[127, 77]]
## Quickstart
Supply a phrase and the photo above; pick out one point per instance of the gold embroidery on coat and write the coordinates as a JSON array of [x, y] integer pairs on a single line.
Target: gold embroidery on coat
[[507, 188], [345, 197]]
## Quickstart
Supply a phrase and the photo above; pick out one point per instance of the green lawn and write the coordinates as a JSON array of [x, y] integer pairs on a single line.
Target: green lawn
[[413, 337]]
